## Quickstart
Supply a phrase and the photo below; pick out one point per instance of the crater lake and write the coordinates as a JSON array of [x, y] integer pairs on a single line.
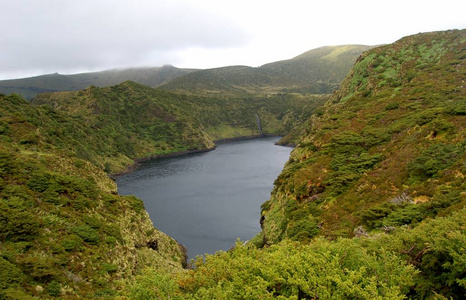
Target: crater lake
[[206, 201]]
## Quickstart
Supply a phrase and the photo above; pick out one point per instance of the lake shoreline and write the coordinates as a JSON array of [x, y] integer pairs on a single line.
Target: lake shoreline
[[207, 201], [136, 162]]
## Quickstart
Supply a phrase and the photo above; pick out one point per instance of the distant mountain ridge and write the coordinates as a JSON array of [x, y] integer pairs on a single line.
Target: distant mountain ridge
[[31, 86], [318, 71]]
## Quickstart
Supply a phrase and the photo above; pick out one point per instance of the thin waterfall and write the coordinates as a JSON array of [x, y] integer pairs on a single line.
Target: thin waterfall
[[258, 122]]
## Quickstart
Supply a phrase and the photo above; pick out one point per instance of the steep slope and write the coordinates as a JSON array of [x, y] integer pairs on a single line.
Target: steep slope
[[317, 71], [30, 87], [64, 232], [387, 150]]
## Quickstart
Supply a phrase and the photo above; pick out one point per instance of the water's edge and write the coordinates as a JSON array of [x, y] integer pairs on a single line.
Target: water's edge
[[136, 162], [243, 220]]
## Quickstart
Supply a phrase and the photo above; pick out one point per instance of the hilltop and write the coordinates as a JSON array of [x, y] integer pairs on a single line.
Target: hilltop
[[30, 87], [318, 71]]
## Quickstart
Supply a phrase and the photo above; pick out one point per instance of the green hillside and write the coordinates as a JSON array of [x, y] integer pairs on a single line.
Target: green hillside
[[30, 87], [317, 71], [63, 229], [371, 204], [385, 150], [131, 121], [126, 122]]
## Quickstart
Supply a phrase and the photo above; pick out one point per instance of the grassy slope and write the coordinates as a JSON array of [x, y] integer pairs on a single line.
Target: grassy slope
[[63, 229], [318, 71], [30, 87], [232, 116], [387, 150]]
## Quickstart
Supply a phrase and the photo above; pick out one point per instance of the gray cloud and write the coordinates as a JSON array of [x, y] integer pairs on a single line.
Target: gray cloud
[[64, 36], [69, 36]]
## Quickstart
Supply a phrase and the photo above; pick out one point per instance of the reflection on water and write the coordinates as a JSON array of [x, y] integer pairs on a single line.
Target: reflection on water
[[206, 201]]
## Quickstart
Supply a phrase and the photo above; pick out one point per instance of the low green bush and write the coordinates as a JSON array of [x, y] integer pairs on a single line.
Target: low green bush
[[87, 233], [434, 159]]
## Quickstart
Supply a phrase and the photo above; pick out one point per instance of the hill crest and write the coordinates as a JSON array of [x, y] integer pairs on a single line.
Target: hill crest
[[318, 71]]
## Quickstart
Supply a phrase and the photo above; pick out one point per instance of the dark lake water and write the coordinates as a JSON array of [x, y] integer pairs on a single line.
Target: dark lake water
[[206, 201]]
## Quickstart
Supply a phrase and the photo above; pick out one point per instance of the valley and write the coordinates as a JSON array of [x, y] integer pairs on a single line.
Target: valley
[[369, 205]]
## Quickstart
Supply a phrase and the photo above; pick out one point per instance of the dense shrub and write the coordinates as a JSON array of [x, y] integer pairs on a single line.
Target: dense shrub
[[87, 233], [153, 285], [434, 159], [302, 229], [18, 225], [419, 263], [324, 270], [9, 275], [72, 242]]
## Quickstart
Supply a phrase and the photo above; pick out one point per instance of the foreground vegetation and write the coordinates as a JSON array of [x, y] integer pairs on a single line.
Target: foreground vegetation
[[424, 262]]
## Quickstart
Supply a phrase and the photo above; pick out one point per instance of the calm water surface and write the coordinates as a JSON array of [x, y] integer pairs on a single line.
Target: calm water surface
[[206, 201]]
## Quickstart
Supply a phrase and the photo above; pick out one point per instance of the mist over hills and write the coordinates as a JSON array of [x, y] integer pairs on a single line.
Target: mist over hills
[[317, 71], [31, 86]]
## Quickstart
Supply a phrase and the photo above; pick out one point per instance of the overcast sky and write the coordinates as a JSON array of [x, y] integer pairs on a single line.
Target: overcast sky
[[71, 36]]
